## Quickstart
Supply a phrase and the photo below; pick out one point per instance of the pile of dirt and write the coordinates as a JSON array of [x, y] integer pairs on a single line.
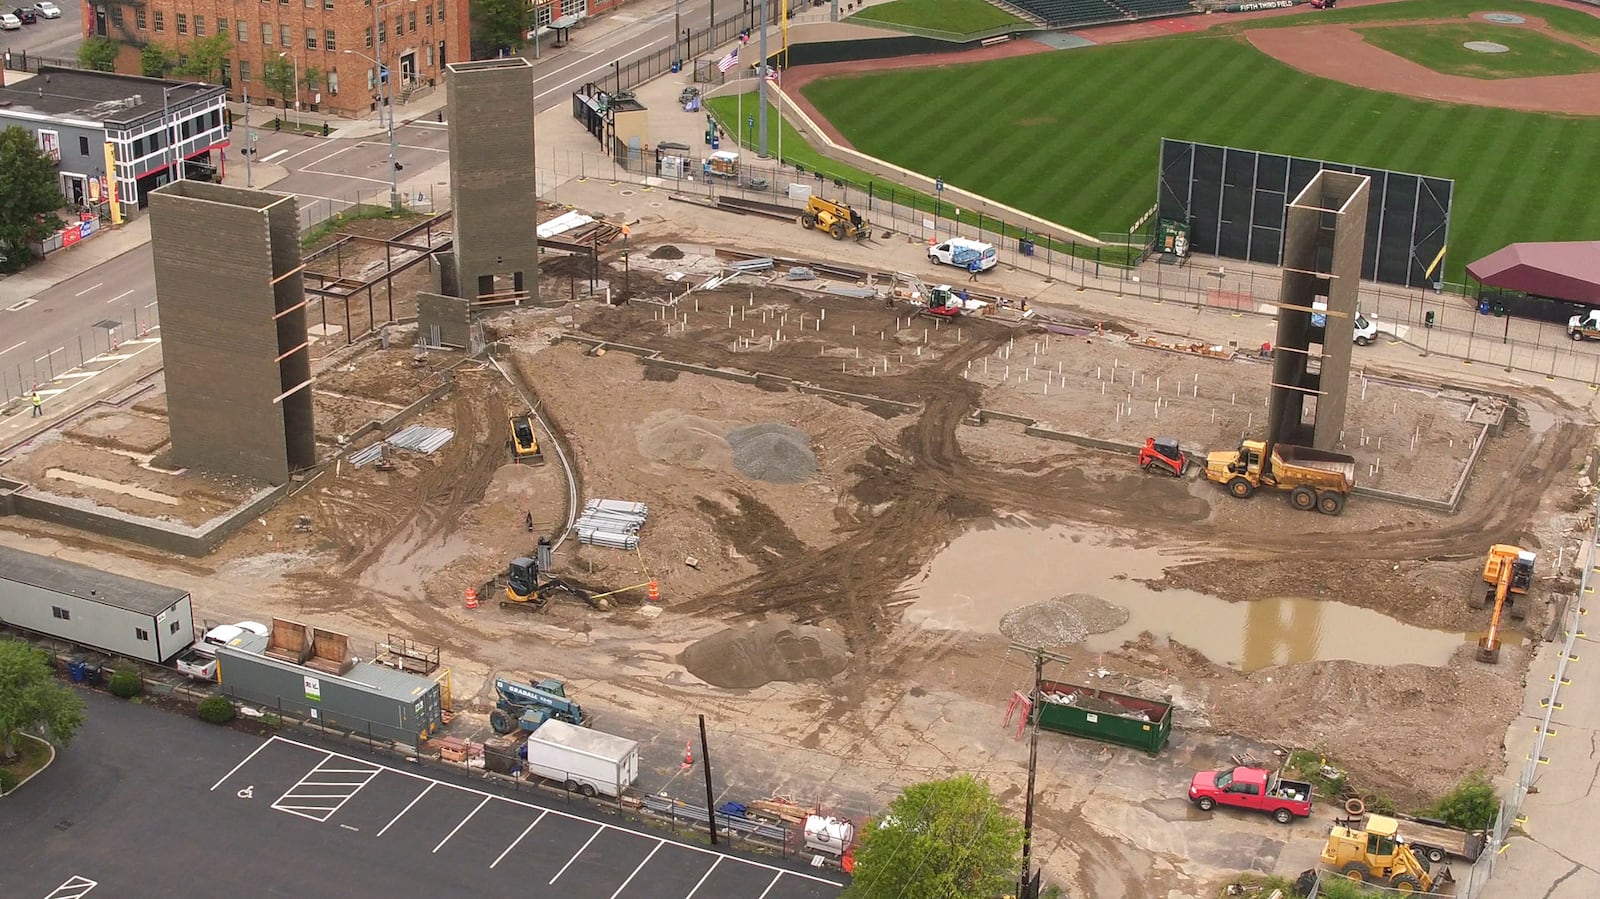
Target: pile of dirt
[[1063, 620], [741, 658], [666, 251], [771, 452], [677, 438]]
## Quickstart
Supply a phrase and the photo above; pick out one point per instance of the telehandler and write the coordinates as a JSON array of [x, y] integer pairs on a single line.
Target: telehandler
[[839, 220]]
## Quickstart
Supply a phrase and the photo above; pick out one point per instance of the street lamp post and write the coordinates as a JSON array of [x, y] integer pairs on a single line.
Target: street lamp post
[[296, 61], [166, 117], [394, 162]]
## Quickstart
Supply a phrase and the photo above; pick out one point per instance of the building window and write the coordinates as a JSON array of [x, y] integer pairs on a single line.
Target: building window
[[244, 70], [266, 33], [222, 27], [411, 22], [430, 56], [227, 73], [244, 32], [441, 52], [60, 613], [399, 26], [83, 145], [441, 13], [311, 38], [140, 633], [116, 16], [200, 26], [327, 40], [173, 627], [283, 35], [183, 24], [369, 38], [327, 4], [311, 4], [161, 24], [427, 14], [372, 82], [139, 20], [333, 82]]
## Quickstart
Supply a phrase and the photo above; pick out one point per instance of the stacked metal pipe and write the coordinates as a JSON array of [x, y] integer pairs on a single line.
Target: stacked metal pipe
[[611, 522]]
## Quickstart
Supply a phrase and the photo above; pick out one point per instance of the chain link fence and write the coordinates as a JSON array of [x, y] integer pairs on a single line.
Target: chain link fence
[[126, 328]]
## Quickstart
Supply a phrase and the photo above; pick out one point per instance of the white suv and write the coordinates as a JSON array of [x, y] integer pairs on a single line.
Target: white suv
[[47, 9]]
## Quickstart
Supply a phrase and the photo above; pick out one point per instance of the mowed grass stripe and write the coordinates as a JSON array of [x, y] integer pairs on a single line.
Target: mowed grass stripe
[[1094, 168]]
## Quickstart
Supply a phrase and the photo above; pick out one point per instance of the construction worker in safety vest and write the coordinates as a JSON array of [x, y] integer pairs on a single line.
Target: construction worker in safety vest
[[38, 405]]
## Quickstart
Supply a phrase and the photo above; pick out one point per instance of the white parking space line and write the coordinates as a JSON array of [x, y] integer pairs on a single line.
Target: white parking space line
[[310, 796], [236, 768], [518, 839], [568, 815], [406, 809], [74, 888], [426, 149], [770, 886], [585, 848], [348, 177], [638, 869], [125, 293], [90, 289], [704, 877], [462, 824], [275, 155], [321, 160], [311, 149], [20, 343]]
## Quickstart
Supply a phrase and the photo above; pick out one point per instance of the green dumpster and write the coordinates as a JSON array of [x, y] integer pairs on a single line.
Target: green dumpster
[[1103, 715]]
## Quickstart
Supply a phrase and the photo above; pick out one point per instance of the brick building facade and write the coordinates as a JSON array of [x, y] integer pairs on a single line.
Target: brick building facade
[[414, 40]]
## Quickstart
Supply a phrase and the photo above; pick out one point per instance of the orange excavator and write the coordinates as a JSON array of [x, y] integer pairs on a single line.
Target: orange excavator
[[1509, 569]]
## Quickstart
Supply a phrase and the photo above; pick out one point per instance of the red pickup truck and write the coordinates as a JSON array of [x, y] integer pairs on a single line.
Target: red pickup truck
[[1252, 788]]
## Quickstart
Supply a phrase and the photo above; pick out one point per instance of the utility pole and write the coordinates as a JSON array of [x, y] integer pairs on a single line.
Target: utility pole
[[1035, 696], [761, 91], [705, 762], [249, 145], [677, 29]]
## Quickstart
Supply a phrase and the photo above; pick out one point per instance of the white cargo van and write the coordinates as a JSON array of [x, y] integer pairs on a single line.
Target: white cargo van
[[960, 252]]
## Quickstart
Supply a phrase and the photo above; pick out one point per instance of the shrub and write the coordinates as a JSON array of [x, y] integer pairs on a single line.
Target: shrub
[[1470, 806], [126, 684], [216, 710], [8, 781]]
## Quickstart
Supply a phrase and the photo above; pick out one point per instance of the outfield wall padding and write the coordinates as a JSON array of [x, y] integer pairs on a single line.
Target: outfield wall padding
[[853, 49]]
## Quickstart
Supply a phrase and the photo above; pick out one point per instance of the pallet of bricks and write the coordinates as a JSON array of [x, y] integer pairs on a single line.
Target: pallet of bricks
[[611, 522]]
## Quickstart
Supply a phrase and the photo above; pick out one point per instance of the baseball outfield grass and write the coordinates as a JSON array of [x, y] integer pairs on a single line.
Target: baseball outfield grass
[[1565, 19], [1074, 136], [1440, 48], [954, 16]]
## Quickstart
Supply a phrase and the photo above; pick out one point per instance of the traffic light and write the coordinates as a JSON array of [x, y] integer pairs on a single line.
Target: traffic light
[[1499, 309], [1427, 320]]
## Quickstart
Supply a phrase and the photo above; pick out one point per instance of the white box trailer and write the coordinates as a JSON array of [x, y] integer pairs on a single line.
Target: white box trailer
[[584, 760], [95, 608]]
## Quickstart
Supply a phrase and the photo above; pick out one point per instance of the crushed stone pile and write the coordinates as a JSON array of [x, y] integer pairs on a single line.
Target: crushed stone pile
[[772, 452], [678, 438], [742, 658], [1063, 620], [666, 251]]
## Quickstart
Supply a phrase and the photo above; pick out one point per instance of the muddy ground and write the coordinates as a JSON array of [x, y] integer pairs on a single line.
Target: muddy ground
[[848, 552]]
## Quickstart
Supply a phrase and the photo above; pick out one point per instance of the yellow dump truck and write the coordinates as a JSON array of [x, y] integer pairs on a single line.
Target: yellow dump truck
[[1315, 479]]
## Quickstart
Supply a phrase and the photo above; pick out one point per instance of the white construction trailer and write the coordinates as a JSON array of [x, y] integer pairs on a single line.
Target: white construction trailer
[[94, 608]]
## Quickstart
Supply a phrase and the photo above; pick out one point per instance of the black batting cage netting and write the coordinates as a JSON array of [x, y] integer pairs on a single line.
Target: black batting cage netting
[[1233, 202]]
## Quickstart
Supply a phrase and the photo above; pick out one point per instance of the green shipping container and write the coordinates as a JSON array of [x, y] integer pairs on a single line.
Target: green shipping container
[[1105, 716]]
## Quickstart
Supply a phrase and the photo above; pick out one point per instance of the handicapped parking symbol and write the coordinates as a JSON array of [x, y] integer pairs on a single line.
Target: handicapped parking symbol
[[248, 792]]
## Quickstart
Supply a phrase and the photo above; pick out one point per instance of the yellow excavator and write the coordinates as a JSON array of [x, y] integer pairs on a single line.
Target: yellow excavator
[[524, 443], [1509, 569], [1373, 853], [839, 220]]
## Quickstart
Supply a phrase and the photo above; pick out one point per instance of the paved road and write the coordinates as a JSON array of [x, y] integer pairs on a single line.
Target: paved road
[[52, 38], [144, 802]]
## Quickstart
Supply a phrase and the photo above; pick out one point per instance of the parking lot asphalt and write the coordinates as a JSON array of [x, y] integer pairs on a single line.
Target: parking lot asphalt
[[143, 800]]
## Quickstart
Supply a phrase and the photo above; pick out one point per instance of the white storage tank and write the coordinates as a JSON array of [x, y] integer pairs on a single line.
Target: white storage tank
[[830, 835]]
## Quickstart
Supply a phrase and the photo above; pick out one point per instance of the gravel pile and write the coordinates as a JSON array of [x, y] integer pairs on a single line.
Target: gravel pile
[[742, 658], [1062, 621], [676, 438], [666, 251], [771, 452]]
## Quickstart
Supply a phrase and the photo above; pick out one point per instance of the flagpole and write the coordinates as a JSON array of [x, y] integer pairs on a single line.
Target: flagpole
[[738, 122], [780, 118]]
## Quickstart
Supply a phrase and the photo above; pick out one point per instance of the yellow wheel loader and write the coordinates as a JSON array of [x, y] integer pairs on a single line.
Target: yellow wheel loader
[[839, 220]]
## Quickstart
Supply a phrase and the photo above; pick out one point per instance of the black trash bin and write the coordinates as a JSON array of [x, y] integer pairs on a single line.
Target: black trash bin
[[1026, 246], [91, 672]]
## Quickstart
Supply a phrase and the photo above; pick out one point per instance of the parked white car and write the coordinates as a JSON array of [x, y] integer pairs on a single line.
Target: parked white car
[[47, 9], [9, 22]]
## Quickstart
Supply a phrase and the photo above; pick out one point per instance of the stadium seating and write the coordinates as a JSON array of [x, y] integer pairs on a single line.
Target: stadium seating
[[1069, 13]]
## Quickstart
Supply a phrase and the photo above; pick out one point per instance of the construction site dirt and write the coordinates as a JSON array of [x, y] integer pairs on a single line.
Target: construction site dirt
[[914, 534]]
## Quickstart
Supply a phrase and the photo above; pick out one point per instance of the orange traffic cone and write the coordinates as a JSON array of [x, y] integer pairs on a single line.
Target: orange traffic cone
[[655, 592], [472, 597], [115, 344], [688, 754], [144, 330]]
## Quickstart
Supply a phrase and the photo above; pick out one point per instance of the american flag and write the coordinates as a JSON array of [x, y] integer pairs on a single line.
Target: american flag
[[729, 61]]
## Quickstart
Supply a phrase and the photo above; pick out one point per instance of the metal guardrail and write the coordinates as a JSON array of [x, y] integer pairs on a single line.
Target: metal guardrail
[[675, 809]]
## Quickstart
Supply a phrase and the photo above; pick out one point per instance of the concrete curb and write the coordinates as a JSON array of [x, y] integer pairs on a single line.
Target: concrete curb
[[51, 761]]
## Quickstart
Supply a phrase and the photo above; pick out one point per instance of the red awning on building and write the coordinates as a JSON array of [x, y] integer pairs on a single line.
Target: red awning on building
[[1562, 270]]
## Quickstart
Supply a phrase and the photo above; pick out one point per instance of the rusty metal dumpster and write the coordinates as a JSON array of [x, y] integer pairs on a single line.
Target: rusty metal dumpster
[[1103, 715]]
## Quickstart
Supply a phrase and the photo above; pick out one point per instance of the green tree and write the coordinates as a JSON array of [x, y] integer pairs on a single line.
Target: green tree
[[30, 196], [203, 58], [99, 54], [155, 61], [29, 696], [502, 23], [1470, 806], [277, 73], [945, 839]]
